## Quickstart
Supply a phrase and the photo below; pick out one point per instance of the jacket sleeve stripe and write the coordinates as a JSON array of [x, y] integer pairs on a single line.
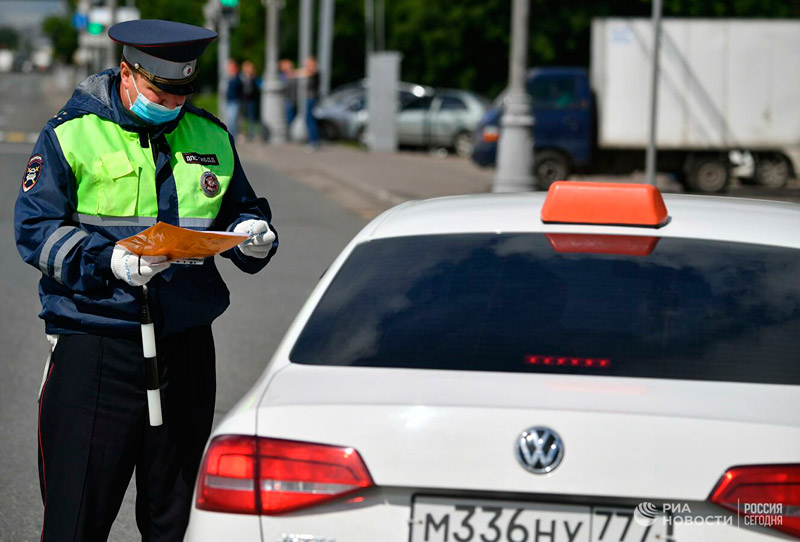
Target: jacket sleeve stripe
[[62, 253], [54, 238], [107, 221], [188, 222]]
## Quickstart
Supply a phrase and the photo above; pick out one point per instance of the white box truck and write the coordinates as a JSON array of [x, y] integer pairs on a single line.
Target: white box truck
[[727, 88], [724, 85]]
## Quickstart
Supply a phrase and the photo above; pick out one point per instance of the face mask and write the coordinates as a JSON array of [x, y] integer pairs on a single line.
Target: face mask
[[149, 111]]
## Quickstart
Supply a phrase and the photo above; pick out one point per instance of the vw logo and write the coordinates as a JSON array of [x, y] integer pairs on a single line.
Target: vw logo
[[539, 449]]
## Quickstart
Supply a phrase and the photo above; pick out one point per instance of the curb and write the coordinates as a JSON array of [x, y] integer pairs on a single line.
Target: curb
[[362, 198]]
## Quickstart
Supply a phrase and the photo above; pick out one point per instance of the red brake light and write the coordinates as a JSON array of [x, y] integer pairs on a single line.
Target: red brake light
[[624, 245], [768, 494], [289, 475], [297, 474], [569, 361], [227, 477], [604, 203]]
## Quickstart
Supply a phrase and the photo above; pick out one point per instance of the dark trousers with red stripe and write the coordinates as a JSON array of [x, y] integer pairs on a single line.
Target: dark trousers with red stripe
[[94, 431]]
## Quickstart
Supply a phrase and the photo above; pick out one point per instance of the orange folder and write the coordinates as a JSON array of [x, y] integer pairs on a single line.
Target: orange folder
[[179, 243]]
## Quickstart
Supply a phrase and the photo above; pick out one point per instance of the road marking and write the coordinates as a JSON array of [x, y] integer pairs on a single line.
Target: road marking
[[18, 137], [15, 148]]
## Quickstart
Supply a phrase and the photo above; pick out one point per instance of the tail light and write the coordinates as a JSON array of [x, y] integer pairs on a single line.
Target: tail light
[[768, 495], [490, 133], [255, 475]]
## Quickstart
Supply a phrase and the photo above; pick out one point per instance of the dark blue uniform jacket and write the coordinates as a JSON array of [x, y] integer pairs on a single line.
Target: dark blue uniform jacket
[[79, 293]]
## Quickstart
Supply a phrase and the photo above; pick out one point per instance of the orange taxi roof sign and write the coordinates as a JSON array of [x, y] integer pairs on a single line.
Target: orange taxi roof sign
[[604, 203]]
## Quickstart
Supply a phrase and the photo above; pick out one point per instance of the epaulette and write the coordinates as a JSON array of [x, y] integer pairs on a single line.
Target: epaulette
[[65, 115]]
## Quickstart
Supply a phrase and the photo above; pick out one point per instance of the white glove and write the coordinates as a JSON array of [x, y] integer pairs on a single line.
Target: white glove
[[133, 269], [261, 238]]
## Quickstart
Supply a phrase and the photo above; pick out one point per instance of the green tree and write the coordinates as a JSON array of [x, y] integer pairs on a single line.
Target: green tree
[[63, 36], [247, 39], [348, 38], [448, 43], [464, 43], [451, 43], [182, 11], [9, 37]]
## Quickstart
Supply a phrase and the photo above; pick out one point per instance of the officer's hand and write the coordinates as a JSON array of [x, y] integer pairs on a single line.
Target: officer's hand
[[261, 238], [133, 269]]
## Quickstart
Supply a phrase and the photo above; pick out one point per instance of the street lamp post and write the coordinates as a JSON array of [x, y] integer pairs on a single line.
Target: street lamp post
[[298, 128], [111, 51], [380, 17], [325, 45], [515, 146], [650, 158], [223, 52], [273, 112], [369, 23]]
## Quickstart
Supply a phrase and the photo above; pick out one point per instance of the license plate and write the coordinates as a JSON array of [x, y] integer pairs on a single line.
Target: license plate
[[439, 519]]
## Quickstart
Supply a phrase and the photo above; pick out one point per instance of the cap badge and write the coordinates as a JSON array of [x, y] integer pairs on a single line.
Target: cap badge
[[187, 70], [209, 184]]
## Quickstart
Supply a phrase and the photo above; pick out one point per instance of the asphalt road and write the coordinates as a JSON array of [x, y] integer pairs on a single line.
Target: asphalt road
[[312, 231]]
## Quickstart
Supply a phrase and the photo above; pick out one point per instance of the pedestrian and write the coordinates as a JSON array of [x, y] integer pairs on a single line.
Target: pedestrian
[[125, 152], [286, 68], [251, 98], [310, 73], [233, 97]]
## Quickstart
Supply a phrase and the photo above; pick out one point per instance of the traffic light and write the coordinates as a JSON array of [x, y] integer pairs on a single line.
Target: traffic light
[[230, 11], [95, 28]]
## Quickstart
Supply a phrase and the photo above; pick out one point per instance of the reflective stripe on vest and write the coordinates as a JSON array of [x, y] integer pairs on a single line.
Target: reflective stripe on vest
[[116, 177]]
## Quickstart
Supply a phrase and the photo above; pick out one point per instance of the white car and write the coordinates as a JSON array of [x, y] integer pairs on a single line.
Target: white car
[[586, 365]]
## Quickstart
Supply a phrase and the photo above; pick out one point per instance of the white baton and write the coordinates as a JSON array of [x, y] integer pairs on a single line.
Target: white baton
[[150, 361]]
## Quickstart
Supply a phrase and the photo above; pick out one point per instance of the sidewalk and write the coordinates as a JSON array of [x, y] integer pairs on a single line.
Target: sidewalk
[[369, 183]]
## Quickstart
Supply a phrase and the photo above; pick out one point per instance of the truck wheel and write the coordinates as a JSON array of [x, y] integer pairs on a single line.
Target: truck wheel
[[772, 170], [708, 175], [548, 167]]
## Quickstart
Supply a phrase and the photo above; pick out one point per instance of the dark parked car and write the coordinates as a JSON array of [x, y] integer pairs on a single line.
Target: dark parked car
[[563, 131]]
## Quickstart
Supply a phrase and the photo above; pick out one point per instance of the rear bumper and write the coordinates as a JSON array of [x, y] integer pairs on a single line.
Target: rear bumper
[[385, 514], [207, 526]]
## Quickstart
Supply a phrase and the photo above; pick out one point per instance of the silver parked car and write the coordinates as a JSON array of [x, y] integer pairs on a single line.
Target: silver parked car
[[447, 119], [343, 112]]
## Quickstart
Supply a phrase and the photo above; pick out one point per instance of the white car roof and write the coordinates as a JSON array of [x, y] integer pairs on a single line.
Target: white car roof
[[697, 217]]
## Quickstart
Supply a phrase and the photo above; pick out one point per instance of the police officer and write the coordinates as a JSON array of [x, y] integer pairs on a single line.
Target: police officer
[[125, 152]]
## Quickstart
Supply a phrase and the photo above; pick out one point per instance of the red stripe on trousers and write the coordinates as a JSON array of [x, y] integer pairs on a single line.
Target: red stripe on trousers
[[41, 448]]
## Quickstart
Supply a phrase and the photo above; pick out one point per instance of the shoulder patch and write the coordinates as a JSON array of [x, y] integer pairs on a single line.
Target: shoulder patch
[[32, 172]]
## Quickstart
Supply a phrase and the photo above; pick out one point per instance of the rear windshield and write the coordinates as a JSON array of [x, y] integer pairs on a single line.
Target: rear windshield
[[699, 310]]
